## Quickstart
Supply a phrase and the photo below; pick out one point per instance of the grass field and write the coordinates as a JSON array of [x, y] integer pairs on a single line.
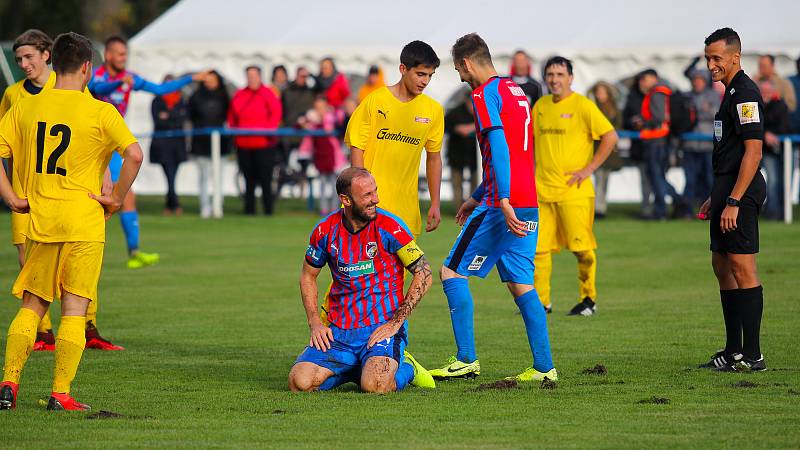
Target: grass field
[[212, 332]]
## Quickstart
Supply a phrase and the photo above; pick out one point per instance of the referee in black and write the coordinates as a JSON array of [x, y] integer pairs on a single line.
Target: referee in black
[[737, 196]]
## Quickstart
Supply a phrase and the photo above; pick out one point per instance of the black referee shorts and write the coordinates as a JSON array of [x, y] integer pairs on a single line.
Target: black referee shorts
[[744, 239]]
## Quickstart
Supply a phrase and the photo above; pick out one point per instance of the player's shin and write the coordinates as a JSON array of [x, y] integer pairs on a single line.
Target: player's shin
[[733, 321], [587, 270], [70, 342], [459, 298], [751, 304], [536, 328], [541, 276], [130, 226], [21, 336]]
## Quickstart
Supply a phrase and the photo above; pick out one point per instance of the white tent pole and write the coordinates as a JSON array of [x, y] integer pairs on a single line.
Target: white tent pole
[[216, 174], [787, 180]]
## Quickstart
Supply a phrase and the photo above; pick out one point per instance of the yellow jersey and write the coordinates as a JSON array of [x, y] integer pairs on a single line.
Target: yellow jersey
[[61, 142], [564, 135], [392, 135], [17, 91]]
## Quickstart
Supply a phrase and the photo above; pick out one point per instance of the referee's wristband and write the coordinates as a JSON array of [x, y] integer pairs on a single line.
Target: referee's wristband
[[730, 201]]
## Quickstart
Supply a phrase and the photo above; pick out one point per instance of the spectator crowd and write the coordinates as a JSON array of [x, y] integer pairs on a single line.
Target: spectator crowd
[[323, 101]]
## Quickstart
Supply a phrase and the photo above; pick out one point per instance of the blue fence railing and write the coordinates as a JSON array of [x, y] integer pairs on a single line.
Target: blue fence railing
[[294, 132]]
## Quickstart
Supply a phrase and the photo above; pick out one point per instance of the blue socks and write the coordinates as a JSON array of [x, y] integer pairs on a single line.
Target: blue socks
[[459, 298], [536, 327], [404, 375], [130, 226]]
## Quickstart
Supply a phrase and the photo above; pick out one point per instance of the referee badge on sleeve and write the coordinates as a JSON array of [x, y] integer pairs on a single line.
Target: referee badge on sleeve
[[718, 130], [748, 112]]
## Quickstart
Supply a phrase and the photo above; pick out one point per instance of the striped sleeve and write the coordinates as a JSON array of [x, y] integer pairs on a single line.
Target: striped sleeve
[[488, 104]]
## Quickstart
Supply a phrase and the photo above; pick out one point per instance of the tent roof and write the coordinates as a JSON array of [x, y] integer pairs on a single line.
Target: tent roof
[[378, 28]]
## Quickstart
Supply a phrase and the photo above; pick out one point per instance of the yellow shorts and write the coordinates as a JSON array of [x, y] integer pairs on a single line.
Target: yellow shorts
[[19, 223], [52, 267], [566, 224]]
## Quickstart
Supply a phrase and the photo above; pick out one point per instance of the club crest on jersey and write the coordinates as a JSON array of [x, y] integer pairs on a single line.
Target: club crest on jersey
[[422, 119], [371, 249], [358, 269], [477, 263]]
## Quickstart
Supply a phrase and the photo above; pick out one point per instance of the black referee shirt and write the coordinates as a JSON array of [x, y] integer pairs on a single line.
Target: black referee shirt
[[740, 117]]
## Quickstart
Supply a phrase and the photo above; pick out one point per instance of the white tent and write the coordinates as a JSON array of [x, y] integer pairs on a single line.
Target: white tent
[[607, 40]]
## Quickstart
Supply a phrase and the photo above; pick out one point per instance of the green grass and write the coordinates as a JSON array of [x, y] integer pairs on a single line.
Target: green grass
[[212, 332]]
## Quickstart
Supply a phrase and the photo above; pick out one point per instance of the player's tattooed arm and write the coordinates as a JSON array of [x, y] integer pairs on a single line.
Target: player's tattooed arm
[[422, 281]]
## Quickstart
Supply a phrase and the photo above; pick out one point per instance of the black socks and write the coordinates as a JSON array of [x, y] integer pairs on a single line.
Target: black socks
[[751, 307], [733, 322], [742, 310]]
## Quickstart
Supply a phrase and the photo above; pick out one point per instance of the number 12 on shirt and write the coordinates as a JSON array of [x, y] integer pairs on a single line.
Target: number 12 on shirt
[[52, 161]]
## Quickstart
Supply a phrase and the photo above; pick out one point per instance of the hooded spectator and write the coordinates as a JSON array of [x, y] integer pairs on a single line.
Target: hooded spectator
[[631, 121], [169, 114], [208, 108], [332, 84], [696, 160], [653, 124]]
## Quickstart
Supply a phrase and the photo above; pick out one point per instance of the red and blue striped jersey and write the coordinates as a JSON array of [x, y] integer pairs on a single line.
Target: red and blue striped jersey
[[505, 135], [367, 267]]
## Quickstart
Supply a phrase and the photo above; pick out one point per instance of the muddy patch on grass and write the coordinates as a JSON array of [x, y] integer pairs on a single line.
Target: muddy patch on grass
[[498, 385], [793, 392], [598, 369], [105, 415], [278, 411], [745, 384], [654, 401], [548, 384]]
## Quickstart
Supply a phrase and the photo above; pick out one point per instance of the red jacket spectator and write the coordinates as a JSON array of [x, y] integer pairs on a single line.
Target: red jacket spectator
[[332, 84], [338, 92], [255, 108]]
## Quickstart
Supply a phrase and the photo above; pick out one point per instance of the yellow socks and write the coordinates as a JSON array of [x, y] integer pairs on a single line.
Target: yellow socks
[[91, 313], [587, 269], [45, 324], [543, 263], [70, 342], [21, 336]]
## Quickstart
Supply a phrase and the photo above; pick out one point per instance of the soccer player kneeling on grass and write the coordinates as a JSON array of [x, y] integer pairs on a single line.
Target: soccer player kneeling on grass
[[500, 220], [367, 250], [61, 141]]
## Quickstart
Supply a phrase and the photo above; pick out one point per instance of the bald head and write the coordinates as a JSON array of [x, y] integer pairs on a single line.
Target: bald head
[[345, 181]]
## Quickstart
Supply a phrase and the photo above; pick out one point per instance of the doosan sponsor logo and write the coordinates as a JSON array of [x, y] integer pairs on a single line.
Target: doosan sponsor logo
[[385, 134], [358, 269]]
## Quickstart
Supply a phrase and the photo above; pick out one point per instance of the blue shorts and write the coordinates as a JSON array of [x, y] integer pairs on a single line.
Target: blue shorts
[[485, 241], [349, 351], [115, 166]]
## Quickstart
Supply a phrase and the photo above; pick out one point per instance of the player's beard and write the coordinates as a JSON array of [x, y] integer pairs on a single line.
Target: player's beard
[[361, 214]]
